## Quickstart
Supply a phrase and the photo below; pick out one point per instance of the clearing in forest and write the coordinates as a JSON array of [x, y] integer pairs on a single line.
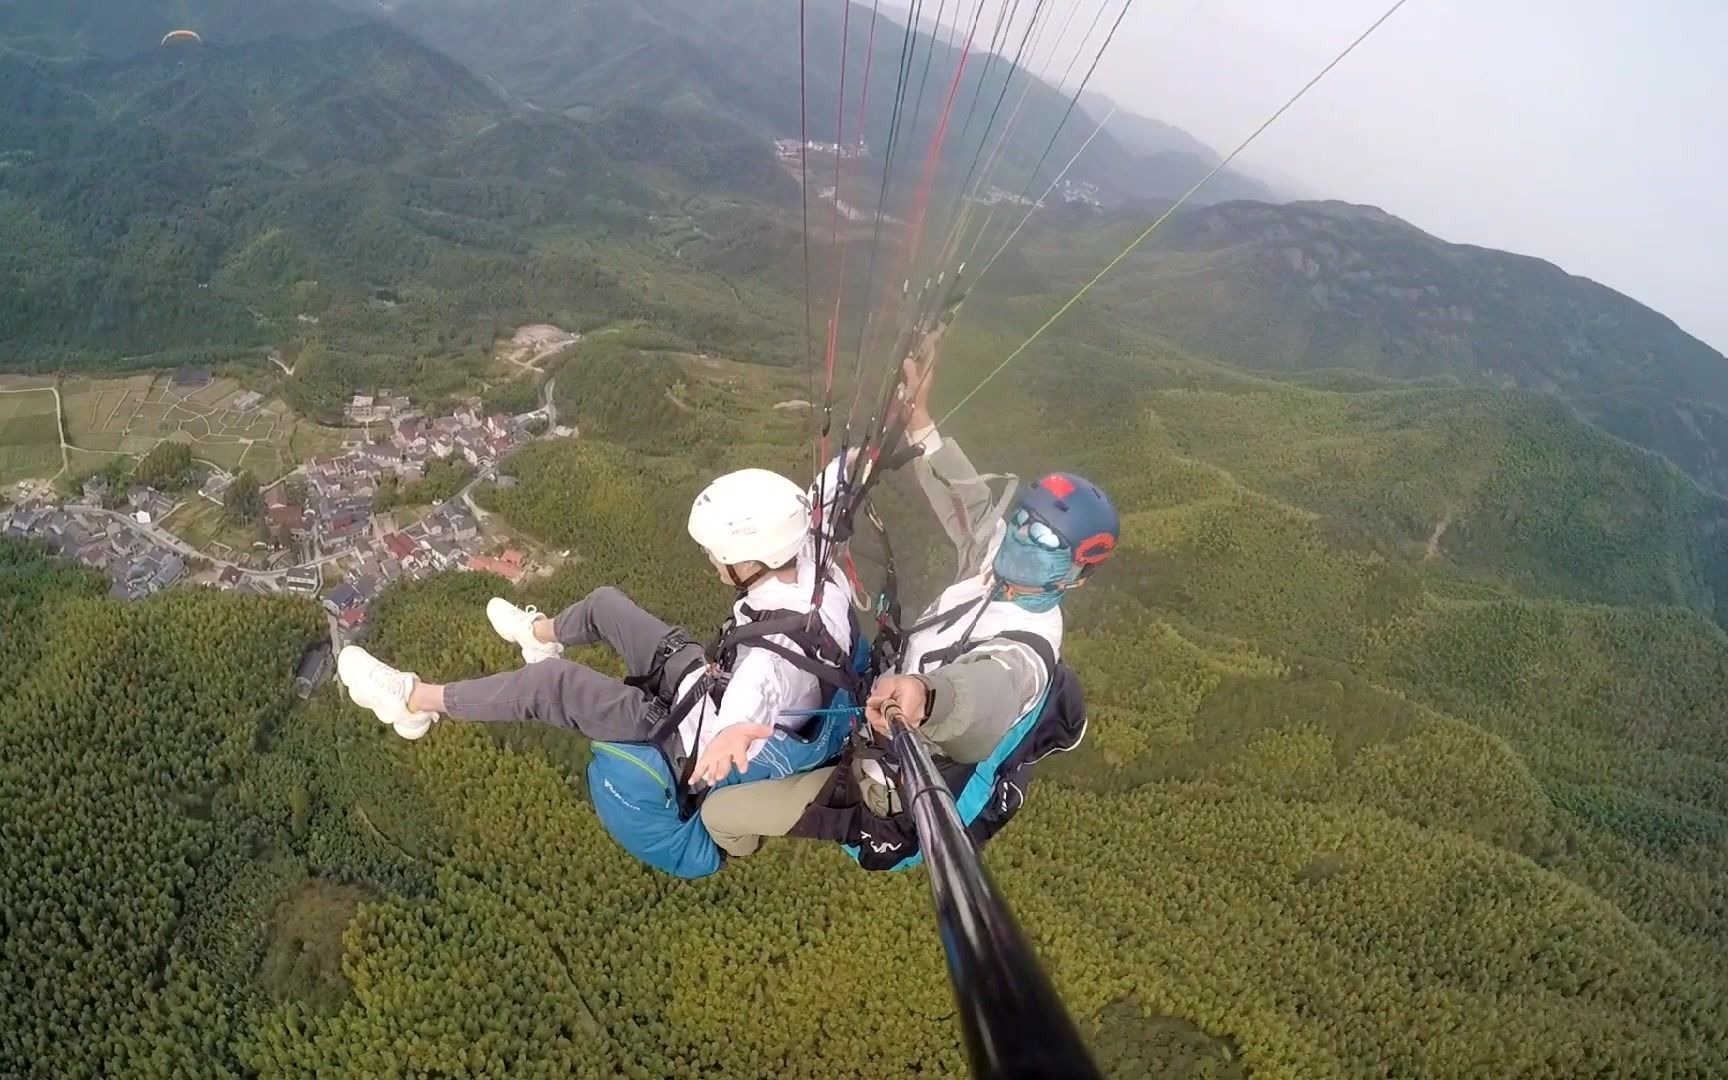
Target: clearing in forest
[[532, 344], [29, 430]]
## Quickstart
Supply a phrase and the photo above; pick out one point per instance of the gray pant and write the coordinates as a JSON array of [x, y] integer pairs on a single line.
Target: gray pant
[[564, 693]]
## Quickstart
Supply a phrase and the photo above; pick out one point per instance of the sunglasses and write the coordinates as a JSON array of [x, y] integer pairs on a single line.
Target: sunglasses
[[1030, 528]]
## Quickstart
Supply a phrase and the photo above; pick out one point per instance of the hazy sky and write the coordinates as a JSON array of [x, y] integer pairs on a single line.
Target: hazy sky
[[1592, 133]]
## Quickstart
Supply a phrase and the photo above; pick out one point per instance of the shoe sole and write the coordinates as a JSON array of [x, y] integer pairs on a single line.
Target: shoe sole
[[348, 662], [499, 612], [414, 727]]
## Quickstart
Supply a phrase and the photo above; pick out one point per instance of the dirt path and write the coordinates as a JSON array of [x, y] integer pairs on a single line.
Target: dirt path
[[1440, 528]]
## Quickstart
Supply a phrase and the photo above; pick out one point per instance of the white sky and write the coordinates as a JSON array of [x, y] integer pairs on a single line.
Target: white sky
[[1593, 133]]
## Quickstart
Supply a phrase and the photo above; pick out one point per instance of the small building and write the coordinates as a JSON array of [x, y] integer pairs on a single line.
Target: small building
[[247, 401], [352, 617], [216, 485], [512, 565], [167, 572], [229, 577], [341, 598], [400, 547], [313, 669], [444, 553], [302, 580], [286, 516]]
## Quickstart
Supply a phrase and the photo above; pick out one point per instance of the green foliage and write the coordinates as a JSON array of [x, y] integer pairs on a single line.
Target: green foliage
[[168, 467], [243, 503], [512, 398], [126, 734], [1407, 748], [358, 197], [1325, 285], [442, 480]]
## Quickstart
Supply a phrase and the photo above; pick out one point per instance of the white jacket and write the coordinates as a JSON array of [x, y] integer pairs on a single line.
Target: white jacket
[[765, 684]]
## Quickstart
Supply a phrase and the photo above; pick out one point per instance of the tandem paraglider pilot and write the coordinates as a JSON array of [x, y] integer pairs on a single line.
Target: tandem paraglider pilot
[[979, 675], [686, 720]]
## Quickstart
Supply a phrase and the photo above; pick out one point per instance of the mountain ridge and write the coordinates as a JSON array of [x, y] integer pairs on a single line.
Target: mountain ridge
[[1325, 284]]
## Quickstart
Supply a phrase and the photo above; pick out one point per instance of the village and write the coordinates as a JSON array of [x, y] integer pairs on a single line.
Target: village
[[332, 538]]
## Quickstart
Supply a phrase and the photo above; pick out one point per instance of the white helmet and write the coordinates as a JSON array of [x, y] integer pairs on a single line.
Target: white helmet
[[751, 515]]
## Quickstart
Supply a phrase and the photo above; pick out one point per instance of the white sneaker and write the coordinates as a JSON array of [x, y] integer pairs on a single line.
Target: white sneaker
[[516, 625], [377, 686]]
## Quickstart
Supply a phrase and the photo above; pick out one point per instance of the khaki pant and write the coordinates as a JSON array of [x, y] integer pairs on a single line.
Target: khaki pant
[[739, 817]]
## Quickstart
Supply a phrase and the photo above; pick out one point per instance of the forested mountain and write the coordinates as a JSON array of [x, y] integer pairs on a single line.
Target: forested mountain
[[195, 201], [1330, 285], [83, 29], [1406, 757], [1144, 135], [736, 59], [1175, 158], [1408, 687]]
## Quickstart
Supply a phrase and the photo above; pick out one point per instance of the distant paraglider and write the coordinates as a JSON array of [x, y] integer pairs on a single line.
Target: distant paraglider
[[179, 37]]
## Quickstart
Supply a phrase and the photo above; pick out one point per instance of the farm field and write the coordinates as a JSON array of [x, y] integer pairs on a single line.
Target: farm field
[[224, 425], [29, 430]]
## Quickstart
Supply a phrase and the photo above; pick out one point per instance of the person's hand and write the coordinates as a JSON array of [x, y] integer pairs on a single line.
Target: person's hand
[[727, 751], [917, 373], [909, 692], [915, 380]]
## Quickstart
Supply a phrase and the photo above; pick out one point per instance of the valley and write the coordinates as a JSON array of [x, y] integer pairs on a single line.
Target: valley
[[1406, 686]]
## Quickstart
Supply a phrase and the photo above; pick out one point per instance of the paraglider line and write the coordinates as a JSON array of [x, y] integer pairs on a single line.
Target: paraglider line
[[804, 192], [1162, 218]]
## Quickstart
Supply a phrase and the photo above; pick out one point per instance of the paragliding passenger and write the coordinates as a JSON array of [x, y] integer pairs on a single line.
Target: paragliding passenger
[[709, 714], [979, 675]]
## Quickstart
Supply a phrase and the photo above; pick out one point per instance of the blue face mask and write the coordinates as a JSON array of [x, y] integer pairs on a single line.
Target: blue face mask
[[1023, 562]]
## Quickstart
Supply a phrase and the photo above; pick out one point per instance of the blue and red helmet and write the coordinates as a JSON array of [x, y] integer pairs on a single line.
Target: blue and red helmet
[[1079, 512]]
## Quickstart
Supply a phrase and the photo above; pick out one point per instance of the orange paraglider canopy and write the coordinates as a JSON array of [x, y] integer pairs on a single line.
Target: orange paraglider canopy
[[176, 36]]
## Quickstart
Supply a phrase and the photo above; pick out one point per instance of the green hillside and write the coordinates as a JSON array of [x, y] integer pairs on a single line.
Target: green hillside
[[734, 60], [364, 202], [1408, 685], [83, 29], [1356, 799], [1309, 286]]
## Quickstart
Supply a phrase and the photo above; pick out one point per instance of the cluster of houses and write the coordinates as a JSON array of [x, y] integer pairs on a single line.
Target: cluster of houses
[[379, 408], [328, 512], [136, 565], [1081, 191], [335, 512], [448, 538], [792, 151], [336, 516]]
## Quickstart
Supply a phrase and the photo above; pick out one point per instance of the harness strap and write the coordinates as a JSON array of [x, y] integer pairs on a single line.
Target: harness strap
[[816, 651], [944, 619], [963, 644], [653, 682]]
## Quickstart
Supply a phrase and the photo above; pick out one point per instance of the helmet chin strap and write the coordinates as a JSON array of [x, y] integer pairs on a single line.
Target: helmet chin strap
[[1008, 590], [743, 584]]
